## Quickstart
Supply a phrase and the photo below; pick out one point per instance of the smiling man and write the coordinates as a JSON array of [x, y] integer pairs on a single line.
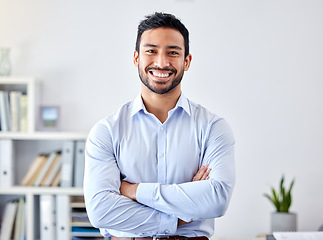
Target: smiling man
[[161, 66], [162, 166]]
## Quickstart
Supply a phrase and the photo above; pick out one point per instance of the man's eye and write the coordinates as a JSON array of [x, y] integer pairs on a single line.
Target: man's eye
[[150, 51], [173, 53]]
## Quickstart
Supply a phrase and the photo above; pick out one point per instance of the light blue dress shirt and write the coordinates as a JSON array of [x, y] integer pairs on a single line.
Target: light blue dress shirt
[[133, 145]]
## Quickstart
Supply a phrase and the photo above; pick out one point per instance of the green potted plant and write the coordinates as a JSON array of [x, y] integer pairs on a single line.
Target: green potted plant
[[282, 219]]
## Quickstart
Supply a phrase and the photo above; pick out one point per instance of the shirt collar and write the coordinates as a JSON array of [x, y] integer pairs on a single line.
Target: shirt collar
[[183, 103], [138, 105]]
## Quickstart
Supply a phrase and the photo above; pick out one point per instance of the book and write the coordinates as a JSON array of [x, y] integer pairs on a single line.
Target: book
[[34, 170], [24, 113], [79, 215], [4, 108], [57, 179], [52, 168], [43, 161], [47, 217], [56, 168], [79, 163], [14, 97], [85, 232], [6, 163], [8, 220], [67, 164], [49, 162], [62, 217], [19, 232]]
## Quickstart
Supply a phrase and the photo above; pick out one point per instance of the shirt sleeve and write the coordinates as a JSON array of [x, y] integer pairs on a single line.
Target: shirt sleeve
[[200, 199], [105, 206]]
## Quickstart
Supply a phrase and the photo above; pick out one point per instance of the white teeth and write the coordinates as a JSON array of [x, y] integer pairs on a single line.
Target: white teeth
[[163, 75]]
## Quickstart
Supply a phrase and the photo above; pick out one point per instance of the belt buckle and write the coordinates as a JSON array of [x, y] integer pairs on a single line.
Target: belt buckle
[[161, 237], [169, 237]]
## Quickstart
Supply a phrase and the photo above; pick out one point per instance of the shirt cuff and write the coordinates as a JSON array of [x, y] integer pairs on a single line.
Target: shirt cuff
[[168, 224], [146, 193]]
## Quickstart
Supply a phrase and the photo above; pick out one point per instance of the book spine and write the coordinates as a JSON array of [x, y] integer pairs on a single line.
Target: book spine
[[62, 217], [67, 164], [4, 111], [79, 164], [47, 217]]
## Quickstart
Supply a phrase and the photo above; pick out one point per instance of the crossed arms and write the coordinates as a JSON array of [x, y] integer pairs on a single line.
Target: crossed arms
[[159, 208], [129, 190]]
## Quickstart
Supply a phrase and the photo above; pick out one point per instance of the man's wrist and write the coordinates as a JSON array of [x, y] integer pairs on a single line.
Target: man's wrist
[[129, 190], [133, 191]]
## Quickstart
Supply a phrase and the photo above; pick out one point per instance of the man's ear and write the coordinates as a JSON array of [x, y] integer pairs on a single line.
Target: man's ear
[[188, 60], [135, 58]]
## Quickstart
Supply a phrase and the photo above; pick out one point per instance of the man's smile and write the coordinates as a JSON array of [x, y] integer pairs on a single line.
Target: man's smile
[[160, 73]]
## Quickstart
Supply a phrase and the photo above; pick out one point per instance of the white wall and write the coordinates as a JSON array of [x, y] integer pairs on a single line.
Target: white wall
[[257, 63]]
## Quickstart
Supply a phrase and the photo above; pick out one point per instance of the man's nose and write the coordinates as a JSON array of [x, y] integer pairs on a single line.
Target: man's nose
[[161, 61]]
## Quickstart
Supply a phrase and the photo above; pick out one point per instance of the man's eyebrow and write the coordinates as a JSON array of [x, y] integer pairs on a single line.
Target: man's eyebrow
[[175, 47], [156, 46], [150, 45]]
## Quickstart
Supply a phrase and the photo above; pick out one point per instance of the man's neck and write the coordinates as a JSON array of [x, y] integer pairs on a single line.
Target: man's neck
[[160, 104]]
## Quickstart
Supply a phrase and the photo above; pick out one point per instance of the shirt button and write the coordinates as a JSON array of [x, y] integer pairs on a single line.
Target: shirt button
[[167, 231], [162, 129], [161, 155]]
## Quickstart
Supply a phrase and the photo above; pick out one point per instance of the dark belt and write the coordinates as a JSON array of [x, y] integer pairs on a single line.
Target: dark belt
[[159, 238]]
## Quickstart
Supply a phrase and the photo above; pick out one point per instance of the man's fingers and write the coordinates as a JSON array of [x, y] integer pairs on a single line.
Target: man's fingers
[[202, 173], [206, 174], [181, 222], [199, 173]]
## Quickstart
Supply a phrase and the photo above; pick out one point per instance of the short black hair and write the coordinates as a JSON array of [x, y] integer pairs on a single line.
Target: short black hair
[[159, 19]]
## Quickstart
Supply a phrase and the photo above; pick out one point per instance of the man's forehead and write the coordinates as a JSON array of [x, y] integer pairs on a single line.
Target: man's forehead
[[162, 36]]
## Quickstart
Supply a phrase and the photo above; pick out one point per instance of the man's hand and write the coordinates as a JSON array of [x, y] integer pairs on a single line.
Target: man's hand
[[202, 174], [129, 190]]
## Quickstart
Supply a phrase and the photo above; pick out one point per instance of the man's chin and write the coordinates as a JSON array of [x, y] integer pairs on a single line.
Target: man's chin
[[160, 91]]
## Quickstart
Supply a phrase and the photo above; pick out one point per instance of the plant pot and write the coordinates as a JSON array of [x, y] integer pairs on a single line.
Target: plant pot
[[283, 222]]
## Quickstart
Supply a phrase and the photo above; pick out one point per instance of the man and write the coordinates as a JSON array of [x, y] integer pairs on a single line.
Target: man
[[162, 165]]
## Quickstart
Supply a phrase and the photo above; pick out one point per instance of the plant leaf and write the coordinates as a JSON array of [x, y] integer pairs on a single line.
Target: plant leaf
[[276, 200], [281, 199]]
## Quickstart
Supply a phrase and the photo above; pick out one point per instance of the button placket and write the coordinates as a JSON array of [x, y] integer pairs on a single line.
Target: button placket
[[161, 148]]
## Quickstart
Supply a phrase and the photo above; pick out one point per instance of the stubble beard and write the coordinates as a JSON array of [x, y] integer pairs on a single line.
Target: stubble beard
[[145, 80]]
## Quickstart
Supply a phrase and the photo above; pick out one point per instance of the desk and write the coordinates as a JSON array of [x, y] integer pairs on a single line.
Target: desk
[[256, 238]]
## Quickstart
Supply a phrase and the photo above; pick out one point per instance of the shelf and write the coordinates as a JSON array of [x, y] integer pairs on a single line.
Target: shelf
[[17, 80], [80, 224], [18, 190], [17, 152], [43, 135]]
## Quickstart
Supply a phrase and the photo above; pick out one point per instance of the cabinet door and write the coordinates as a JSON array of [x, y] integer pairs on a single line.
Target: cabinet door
[[6, 163]]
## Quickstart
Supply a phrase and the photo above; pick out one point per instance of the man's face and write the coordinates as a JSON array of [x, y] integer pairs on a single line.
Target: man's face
[[161, 59]]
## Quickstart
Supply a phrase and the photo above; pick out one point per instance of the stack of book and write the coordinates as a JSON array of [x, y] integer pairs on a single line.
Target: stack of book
[[13, 111], [45, 170], [81, 227], [64, 168], [13, 221]]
